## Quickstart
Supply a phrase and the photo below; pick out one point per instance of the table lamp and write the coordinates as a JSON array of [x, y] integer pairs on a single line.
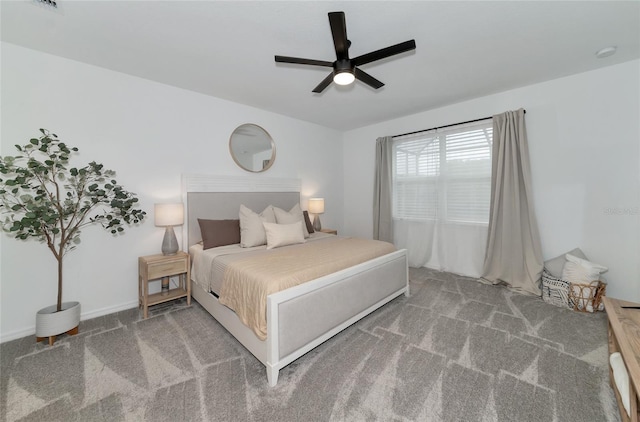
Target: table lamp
[[316, 207], [169, 215]]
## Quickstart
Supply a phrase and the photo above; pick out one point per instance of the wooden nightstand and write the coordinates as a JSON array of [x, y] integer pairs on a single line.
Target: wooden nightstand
[[329, 231], [154, 267]]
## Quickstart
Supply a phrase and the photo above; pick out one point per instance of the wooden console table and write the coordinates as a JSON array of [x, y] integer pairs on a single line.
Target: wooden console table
[[624, 337]]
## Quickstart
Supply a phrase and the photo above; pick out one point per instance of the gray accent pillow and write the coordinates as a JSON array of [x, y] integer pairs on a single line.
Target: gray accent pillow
[[555, 265], [219, 232], [307, 222]]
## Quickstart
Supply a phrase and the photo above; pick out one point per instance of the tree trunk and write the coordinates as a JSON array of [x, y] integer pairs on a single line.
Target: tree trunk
[[59, 283]]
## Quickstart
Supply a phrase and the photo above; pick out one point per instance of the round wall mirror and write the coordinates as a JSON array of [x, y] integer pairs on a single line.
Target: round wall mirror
[[252, 148]]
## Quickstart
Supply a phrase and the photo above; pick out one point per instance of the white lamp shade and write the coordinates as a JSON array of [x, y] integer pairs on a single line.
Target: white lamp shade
[[344, 78], [168, 214], [316, 205]]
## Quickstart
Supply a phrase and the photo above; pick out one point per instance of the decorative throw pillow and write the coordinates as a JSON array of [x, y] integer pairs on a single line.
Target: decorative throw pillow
[[219, 232], [283, 234], [307, 222], [294, 215], [251, 229], [581, 271], [555, 291], [555, 265], [621, 379]]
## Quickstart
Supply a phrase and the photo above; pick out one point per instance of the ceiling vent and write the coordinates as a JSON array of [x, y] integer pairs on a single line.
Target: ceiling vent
[[51, 3]]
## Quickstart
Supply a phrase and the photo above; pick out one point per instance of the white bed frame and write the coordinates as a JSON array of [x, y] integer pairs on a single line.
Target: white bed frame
[[302, 317]]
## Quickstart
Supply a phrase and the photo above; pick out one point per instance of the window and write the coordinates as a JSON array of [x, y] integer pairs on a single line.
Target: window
[[444, 174]]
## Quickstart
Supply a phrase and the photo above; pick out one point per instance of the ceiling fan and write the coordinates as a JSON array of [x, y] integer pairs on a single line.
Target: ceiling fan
[[345, 70]]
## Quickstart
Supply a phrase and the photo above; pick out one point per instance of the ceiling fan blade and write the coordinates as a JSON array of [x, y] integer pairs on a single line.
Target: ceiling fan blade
[[339, 31], [384, 52], [325, 83], [367, 79], [298, 60]]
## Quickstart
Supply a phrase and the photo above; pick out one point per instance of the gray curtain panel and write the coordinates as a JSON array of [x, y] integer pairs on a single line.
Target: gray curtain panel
[[382, 193], [514, 255]]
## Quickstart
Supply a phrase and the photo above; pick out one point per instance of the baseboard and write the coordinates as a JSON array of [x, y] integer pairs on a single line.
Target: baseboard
[[31, 331]]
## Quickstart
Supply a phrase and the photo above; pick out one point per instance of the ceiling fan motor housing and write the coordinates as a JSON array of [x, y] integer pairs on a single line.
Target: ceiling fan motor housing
[[344, 65]]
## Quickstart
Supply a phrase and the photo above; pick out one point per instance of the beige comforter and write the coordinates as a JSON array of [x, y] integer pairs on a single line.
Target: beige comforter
[[249, 280]]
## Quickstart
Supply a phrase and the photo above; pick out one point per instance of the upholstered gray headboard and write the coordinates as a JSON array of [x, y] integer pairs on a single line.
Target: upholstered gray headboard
[[220, 197]]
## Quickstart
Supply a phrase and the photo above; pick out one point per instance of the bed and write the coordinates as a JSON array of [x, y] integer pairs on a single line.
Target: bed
[[301, 317]]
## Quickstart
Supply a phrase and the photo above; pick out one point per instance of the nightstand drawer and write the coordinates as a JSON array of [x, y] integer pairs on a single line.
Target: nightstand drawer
[[167, 268]]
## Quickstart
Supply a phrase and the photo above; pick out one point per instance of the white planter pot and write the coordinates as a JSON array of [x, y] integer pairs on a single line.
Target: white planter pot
[[51, 323]]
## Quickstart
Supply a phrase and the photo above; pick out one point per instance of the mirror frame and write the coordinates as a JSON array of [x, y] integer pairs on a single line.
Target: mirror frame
[[272, 159]]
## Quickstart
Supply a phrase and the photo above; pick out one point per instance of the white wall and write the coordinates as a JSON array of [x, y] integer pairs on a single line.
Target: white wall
[[584, 141], [149, 134]]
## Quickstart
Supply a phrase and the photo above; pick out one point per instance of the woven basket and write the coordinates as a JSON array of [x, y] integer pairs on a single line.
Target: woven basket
[[587, 297]]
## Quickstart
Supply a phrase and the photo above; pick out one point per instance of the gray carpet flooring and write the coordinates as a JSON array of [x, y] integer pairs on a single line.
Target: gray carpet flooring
[[456, 350]]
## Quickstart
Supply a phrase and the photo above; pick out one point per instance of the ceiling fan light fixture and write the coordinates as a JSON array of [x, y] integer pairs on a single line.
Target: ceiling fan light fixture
[[344, 78], [345, 69]]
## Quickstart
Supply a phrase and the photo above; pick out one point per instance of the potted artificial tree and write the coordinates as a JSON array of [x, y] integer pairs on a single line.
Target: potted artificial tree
[[42, 197]]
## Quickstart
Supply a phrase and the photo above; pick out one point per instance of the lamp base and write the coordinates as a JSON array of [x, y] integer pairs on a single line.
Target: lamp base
[[169, 242], [316, 223], [165, 286]]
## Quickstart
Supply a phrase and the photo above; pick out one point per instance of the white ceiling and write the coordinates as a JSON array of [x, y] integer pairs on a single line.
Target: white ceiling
[[225, 49]]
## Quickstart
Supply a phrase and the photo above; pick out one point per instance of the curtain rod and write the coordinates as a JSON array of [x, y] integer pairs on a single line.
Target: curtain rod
[[442, 127]]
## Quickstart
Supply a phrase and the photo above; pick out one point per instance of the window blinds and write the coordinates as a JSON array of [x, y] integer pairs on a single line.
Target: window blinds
[[444, 174]]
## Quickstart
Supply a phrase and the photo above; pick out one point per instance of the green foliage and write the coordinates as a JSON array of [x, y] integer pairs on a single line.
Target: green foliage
[[42, 197]]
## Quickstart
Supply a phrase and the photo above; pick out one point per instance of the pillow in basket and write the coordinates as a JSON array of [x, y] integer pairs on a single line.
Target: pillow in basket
[[555, 291], [584, 279], [555, 265], [578, 270]]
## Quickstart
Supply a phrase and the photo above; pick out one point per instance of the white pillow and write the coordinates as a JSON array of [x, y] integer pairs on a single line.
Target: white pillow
[[578, 270], [294, 215], [251, 229], [283, 234], [555, 265], [621, 379]]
